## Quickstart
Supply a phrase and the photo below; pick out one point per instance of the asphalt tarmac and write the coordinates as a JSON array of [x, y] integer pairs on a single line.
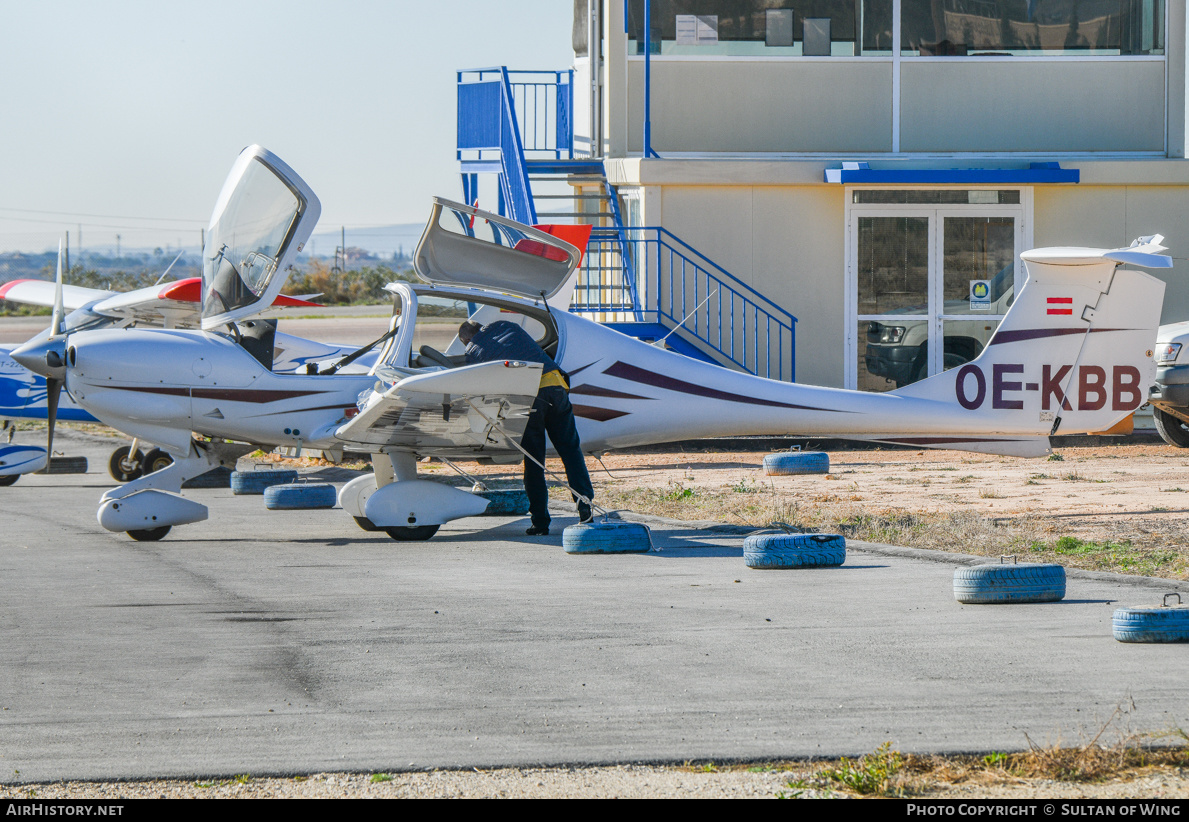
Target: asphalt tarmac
[[276, 643]]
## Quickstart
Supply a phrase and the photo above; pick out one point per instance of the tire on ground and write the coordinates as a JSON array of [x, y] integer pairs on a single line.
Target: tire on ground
[[796, 462], [67, 465], [254, 482], [219, 477], [994, 584], [503, 502], [794, 550], [1171, 429], [606, 537], [1151, 624], [300, 495], [410, 533]]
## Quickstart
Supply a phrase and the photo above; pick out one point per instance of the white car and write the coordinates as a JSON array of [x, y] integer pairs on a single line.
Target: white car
[[1170, 397]]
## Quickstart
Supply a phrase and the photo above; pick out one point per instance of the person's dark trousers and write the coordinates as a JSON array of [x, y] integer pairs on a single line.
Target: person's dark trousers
[[552, 415]]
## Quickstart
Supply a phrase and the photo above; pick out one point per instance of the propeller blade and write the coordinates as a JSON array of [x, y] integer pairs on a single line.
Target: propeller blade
[[53, 392], [57, 321]]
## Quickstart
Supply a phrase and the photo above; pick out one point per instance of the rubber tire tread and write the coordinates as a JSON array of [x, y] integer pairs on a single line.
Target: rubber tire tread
[[255, 482], [771, 551], [606, 537], [784, 463], [300, 495], [68, 465], [505, 502], [219, 477], [997, 584], [1171, 429], [150, 534], [1151, 624], [411, 533], [8, 479]]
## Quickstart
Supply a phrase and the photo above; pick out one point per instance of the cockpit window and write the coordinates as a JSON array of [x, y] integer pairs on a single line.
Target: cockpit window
[[246, 240]]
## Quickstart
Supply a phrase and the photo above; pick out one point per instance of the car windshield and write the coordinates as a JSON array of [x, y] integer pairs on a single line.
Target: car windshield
[[246, 240]]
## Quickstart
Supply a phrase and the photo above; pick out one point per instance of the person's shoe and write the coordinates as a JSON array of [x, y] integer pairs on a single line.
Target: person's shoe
[[537, 531], [584, 512]]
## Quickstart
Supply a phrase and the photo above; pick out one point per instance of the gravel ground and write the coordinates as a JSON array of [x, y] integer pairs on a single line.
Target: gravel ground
[[619, 782]]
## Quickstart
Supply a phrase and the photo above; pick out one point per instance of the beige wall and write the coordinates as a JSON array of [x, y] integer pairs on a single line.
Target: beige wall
[[787, 242], [1104, 216], [757, 106], [1041, 106]]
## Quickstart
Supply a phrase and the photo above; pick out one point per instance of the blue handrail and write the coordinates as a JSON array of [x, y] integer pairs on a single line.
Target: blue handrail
[[629, 274], [680, 288]]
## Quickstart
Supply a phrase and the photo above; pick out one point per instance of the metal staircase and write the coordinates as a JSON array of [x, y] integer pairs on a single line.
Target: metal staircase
[[642, 281]]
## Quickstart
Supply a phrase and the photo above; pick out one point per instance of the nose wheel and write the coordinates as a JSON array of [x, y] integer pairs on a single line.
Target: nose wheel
[[150, 534], [411, 533]]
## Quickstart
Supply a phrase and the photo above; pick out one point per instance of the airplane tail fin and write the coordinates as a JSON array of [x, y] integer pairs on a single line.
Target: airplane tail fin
[[1074, 352]]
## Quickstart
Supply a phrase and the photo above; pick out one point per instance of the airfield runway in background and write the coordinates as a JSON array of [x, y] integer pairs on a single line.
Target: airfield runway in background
[[292, 642]]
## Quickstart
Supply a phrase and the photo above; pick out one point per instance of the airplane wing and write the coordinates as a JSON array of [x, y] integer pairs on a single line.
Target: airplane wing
[[41, 292], [175, 304], [457, 412]]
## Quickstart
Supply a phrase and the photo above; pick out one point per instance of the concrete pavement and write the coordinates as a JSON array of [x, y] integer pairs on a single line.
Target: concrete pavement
[[292, 642]]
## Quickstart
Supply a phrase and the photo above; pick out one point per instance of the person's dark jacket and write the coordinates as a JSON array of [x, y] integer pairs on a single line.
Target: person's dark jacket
[[504, 340]]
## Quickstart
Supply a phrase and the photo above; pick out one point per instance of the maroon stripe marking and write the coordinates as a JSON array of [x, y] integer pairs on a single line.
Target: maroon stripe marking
[[156, 389], [229, 394], [598, 391], [248, 395], [633, 373], [600, 414], [1039, 333]]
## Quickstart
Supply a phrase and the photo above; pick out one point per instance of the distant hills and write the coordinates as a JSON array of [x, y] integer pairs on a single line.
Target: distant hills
[[390, 245]]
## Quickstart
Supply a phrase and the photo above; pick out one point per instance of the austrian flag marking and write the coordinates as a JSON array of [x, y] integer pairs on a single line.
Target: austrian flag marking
[[1060, 305]]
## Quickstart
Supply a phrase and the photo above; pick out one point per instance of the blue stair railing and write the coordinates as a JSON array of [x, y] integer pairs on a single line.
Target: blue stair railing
[[643, 281], [683, 290]]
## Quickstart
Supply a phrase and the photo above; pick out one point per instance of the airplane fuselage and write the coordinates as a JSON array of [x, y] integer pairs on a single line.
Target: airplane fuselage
[[162, 384]]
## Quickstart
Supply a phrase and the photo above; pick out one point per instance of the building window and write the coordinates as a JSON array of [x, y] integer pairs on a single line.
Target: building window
[[958, 28], [763, 28]]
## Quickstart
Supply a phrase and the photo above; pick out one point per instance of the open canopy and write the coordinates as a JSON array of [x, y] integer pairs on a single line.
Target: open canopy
[[263, 217], [462, 245]]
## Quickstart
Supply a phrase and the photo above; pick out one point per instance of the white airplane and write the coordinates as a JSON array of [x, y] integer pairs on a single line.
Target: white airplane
[[1073, 354], [24, 395]]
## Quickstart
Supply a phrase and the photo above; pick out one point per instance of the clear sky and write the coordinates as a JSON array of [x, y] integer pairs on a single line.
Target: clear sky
[[137, 108]]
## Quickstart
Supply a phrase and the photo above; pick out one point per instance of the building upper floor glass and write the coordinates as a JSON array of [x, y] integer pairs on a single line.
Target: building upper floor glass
[[928, 28]]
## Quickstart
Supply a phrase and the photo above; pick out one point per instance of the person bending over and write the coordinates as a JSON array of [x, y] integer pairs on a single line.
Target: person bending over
[[552, 414]]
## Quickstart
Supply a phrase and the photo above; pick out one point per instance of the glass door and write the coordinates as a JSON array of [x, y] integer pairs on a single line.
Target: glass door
[[929, 276]]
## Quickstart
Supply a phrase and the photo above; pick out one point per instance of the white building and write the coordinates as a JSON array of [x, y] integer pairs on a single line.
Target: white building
[[866, 164]]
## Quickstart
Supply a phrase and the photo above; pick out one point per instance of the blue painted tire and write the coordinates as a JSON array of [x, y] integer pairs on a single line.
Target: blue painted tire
[[300, 495], [505, 502], [794, 550], [606, 538], [994, 584], [796, 462], [255, 482], [215, 478], [1151, 624]]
